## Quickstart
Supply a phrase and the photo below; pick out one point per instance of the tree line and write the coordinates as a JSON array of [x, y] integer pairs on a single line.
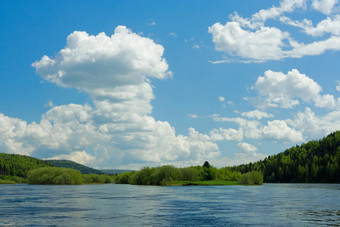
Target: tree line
[[169, 175], [312, 162]]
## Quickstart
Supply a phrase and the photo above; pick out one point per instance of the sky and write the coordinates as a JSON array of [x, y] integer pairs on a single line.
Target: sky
[[128, 84]]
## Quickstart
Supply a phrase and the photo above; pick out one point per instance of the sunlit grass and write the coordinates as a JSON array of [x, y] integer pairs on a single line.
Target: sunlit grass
[[7, 182]]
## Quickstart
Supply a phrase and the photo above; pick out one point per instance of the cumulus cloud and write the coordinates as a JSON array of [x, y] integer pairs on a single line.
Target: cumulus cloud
[[116, 72], [324, 6], [250, 40], [276, 130], [256, 114], [263, 44], [315, 126], [285, 90], [246, 147], [80, 157], [248, 154]]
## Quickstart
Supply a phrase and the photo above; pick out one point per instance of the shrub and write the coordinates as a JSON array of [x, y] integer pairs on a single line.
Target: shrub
[[253, 177], [142, 177], [190, 174], [54, 175], [164, 175], [96, 178], [123, 178]]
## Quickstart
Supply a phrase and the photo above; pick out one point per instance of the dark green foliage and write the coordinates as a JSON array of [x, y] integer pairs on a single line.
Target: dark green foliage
[[73, 165], [97, 179], [206, 164], [165, 175], [251, 178], [19, 165], [15, 179], [169, 175], [123, 178], [312, 162], [54, 175]]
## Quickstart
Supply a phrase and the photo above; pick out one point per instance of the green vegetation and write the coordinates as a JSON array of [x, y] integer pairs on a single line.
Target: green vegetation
[[15, 179], [73, 165], [97, 179], [19, 165], [251, 178], [170, 175], [54, 175], [7, 182], [312, 162]]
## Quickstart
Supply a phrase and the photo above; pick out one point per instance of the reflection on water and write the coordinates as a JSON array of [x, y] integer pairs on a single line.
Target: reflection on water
[[127, 205]]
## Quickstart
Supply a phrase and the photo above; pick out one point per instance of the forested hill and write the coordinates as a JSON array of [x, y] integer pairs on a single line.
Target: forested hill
[[314, 162], [19, 165], [73, 165]]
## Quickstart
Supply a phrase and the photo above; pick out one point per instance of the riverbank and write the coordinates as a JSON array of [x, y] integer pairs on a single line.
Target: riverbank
[[204, 183]]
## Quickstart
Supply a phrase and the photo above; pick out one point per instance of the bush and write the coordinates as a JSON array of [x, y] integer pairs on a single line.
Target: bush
[[123, 178], [165, 175], [54, 175], [14, 179], [7, 182], [142, 177], [253, 177], [189, 174], [96, 178]]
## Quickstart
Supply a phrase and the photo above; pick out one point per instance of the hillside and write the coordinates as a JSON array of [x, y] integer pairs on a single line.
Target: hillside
[[73, 165], [19, 165], [313, 162]]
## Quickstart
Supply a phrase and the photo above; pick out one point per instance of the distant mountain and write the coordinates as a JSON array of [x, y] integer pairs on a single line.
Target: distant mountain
[[19, 165], [73, 165], [114, 171], [312, 162]]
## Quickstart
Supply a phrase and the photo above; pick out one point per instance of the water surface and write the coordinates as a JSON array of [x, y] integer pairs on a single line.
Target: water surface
[[129, 205]]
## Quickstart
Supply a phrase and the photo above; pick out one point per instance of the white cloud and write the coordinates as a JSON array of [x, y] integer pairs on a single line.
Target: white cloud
[[221, 99], [263, 44], [250, 40], [256, 114], [324, 6], [193, 116], [90, 62], [80, 157], [315, 127], [117, 129], [246, 147], [279, 130], [276, 130], [329, 25], [225, 134], [285, 90], [248, 154]]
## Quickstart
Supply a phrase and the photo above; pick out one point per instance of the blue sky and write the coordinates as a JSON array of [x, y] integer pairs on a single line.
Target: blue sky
[[127, 84]]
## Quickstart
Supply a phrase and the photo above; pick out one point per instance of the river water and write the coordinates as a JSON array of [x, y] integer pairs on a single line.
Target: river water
[[129, 205]]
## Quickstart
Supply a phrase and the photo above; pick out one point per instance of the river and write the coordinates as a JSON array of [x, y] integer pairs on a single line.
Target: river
[[129, 205]]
